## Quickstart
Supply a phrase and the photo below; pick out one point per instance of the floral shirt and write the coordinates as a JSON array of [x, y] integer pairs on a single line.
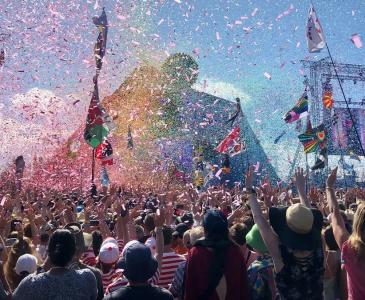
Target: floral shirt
[[301, 278]]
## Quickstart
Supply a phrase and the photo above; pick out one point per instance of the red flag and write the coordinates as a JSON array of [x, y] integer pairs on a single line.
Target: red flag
[[327, 96], [105, 152], [231, 144]]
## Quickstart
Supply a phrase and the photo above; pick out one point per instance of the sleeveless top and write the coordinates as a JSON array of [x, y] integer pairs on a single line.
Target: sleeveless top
[[301, 278]]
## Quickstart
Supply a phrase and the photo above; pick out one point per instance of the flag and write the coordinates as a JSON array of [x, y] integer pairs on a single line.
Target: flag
[[313, 139], [129, 138], [321, 160], [327, 96], [237, 113], [104, 152], [300, 110], [100, 45], [315, 36], [231, 144], [96, 130]]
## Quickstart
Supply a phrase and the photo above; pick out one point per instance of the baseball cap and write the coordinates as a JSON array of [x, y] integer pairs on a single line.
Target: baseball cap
[[26, 263]]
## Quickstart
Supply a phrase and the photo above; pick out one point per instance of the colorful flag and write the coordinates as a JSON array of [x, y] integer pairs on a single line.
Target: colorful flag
[[327, 96], [96, 130], [104, 152], [300, 110], [313, 139], [100, 45], [232, 144], [315, 36]]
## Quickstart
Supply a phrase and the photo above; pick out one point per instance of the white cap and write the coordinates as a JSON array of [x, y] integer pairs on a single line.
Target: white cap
[[109, 253], [26, 263]]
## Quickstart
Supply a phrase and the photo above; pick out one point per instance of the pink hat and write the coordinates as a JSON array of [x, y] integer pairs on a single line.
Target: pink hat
[[109, 253]]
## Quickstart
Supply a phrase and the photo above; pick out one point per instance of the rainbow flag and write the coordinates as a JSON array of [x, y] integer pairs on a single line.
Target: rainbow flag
[[300, 110], [313, 139]]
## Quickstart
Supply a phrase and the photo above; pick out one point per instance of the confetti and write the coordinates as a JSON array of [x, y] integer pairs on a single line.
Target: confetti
[[356, 40], [267, 75]]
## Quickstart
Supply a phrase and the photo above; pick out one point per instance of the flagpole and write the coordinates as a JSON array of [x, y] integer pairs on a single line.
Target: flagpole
[[93, 166], [343, 94]]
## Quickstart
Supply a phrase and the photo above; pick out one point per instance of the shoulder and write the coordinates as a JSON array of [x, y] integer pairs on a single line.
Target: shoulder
[[162, 293], [86, 274]]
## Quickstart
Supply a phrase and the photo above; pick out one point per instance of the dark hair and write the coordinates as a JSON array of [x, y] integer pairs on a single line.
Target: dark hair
[[238, 233], [167, 235], [97, 241], [149, 222], [61, 247], [27, 231], [44, 237], [330, 238]]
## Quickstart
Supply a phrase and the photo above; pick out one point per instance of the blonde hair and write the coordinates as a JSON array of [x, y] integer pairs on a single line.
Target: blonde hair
[[195, 234], [357, 238]]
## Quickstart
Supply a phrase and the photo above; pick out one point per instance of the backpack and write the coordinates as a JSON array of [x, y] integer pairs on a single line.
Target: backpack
[[258, 277]]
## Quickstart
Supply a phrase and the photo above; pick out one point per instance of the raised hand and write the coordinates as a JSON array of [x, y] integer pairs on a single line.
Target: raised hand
[[299, 180], [249, 178], [331, 180]]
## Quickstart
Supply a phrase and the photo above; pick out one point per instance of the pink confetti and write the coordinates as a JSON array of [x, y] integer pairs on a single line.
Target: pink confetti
[[267, 75], [285, 13], [254, 12], [217, 35], [355, 38], [257, 167]]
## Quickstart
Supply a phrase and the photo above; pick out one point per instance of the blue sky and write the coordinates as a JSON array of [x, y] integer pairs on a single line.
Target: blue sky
[[51, 43]]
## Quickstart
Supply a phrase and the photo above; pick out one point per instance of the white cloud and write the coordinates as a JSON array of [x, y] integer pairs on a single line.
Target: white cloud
[[221, 89]]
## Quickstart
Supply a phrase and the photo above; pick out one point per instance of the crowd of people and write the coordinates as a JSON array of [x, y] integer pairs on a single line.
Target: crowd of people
[[256, 241]]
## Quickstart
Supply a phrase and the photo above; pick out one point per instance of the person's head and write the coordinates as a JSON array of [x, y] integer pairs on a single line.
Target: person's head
[[215, 225], [109, 253], [298, 227], [83, 240], [255, 241], [140, 233], [167, 235], [20, 247], [61, 248], [97, 240], [27, 231], [329, 238], [44, 238], [238, 233], [195, 234], [25, 265], [138, 263], [357, 238], [178, 234], [149, 222]]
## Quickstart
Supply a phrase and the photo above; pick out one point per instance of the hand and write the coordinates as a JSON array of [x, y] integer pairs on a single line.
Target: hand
[[299, 180], [249, 178], [160, 217], [331, 180]]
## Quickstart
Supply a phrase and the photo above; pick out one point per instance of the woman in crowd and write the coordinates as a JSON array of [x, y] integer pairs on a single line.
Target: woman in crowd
[[294, 242], [352, 245], [59, 282]]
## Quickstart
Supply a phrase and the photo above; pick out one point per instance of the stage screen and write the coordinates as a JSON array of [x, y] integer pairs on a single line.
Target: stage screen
[[343, 138]]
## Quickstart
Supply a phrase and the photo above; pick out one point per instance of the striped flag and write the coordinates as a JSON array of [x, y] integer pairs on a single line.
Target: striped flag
[[300, 110], [327, 96]]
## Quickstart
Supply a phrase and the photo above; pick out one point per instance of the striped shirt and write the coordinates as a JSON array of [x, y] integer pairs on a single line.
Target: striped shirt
[[122, 281], [111, 276], [170, 262], [88, 257]]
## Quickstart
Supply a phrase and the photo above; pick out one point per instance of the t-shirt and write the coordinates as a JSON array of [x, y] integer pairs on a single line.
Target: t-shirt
[[72, 285], [111, 276], [145, 292], [89, 258], [169, 264], [355, 273]]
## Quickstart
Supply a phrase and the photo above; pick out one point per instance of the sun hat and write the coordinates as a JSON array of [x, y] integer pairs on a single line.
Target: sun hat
[[109, 253], [297, 226], [254, 239], [137, 263], [26, 263]]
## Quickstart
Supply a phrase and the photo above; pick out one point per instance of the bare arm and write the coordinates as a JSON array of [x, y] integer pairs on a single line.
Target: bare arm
[[159, 222], [339, 230], [299, 180], [270, 238]]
